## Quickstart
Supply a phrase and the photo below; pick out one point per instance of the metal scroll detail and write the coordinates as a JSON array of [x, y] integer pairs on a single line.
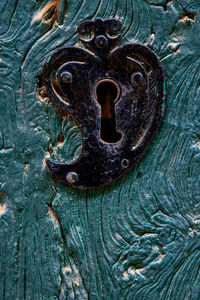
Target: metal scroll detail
[[116, 97]]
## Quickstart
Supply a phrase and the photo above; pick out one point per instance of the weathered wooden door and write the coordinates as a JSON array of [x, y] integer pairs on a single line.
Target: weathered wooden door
[[138, 238]]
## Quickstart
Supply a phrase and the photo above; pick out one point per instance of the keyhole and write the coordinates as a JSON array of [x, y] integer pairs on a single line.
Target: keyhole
[[107, 92]]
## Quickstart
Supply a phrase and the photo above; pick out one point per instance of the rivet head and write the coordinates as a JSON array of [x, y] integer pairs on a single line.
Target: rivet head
[[125, 163], [101, 41], [82, 31], [137, 78], [66, 77], [72, 177], [116, 25]]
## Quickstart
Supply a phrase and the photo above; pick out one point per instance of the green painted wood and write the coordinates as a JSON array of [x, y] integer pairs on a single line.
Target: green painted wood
[[138, 238]]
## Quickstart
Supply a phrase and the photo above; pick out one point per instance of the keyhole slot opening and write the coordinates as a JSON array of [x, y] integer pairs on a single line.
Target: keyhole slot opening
[[107, 93]]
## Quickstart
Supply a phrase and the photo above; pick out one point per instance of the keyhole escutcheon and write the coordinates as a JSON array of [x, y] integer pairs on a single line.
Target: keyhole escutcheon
[[107, 92]]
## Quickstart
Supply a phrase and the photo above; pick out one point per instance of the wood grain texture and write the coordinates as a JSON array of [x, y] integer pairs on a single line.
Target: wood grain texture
[[138, 238]]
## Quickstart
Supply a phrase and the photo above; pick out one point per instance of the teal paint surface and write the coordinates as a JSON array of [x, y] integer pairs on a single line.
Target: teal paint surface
[[138, 238]]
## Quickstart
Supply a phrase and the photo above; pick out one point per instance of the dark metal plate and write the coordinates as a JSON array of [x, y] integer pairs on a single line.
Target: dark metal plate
[[79, 82]]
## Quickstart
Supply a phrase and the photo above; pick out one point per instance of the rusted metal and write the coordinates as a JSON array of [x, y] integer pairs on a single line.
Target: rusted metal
[[116, 97]]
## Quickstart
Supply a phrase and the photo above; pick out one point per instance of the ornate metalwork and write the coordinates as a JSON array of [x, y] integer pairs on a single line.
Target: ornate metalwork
[[115, 96]]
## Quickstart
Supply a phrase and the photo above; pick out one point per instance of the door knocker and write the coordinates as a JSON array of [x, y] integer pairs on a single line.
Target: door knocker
[[115, 95]]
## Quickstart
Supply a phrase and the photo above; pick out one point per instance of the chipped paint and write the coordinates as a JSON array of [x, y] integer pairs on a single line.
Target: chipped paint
[[44, 160], [3, 209], [53, 216], [49, 13]]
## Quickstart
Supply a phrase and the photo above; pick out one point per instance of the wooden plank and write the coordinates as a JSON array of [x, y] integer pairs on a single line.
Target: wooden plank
[[135, 239]]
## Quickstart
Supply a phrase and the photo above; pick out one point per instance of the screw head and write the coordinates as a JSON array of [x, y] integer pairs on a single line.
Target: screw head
[[72, 177]]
